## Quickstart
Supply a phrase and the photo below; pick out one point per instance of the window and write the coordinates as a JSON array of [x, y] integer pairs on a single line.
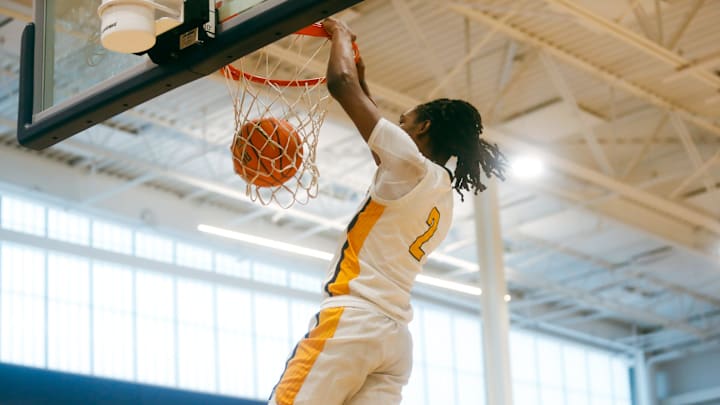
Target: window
[[68, 227], [550, 356], [236, 351], [273, 340], [414, 392], [153, 247], [22, 216], [68, 331], [232, 266], [601, 376], [447, 357], [522, 358], [113, 323], [564, 374], [111, 237], [438, 334], [574, 360], [621, 382], [155, 328], [196, 341], [467, 341], [270, 274], [439, 355], [192, 256], [305, 282], [302, 315], [173, 330], [551, 396], [525, 393], [22, 331]]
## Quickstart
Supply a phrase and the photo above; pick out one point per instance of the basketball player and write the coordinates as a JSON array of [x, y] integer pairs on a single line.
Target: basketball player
[[359, 350]]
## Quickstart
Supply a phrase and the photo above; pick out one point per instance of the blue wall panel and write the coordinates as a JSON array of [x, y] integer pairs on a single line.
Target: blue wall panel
[[32, 386]]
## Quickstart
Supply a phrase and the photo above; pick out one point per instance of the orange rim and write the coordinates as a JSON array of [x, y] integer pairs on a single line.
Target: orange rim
[[314, 30]]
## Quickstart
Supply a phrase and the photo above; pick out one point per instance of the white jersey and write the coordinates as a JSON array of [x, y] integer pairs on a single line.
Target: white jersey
[[406, 215]]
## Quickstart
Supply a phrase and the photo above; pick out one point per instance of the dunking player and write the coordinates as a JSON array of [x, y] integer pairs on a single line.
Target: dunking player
[[359, 349]]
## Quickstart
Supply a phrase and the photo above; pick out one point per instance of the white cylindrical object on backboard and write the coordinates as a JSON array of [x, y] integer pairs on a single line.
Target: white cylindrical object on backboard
[[127, 28]]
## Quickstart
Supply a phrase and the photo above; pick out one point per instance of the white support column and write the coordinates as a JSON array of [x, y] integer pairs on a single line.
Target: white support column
[[643, 392], [496, 324]]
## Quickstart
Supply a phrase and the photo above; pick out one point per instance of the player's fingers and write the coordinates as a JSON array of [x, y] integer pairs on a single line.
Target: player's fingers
[[329, 24], [332, 25]]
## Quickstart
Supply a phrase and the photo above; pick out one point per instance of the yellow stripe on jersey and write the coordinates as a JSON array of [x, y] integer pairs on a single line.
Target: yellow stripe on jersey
[[305, 354], [348, 266]]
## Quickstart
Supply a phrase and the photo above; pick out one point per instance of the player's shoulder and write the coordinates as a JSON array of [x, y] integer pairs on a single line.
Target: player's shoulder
[[436, 182]]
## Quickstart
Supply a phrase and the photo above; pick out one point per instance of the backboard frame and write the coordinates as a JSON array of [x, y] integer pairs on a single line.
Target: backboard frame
[[257, 27]]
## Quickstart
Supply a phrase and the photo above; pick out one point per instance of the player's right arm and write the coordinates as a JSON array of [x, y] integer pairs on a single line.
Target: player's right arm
[[361, 75], [344, 81]]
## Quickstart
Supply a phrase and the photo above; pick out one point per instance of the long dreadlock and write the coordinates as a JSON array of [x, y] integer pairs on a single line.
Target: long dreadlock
[[455, 129]]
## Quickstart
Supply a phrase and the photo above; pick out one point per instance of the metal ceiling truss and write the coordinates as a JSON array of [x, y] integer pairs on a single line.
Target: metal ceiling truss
[[654, 49], [596, 71]]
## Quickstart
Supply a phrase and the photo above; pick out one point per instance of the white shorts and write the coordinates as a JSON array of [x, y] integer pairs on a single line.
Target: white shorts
[[350, 356]]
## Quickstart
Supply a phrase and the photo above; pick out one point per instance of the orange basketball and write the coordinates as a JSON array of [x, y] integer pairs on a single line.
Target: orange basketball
[[267, 152]]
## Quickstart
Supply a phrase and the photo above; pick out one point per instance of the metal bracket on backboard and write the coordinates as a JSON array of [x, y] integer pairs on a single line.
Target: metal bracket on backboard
[[199, 17]]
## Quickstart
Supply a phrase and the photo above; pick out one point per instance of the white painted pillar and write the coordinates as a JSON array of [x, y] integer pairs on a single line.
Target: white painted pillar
[[495, 319], [642, 380]]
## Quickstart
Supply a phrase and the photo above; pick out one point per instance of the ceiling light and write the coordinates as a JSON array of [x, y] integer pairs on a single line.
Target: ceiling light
[[269, 243], [287, 247], [508, 298], [459, 263], [526, 167], [450, 285]]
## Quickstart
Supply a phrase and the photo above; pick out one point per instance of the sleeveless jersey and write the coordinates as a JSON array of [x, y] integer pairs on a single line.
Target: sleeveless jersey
[[390, 237]]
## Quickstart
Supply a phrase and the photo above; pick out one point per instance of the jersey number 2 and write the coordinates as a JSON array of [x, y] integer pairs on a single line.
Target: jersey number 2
[[433, 220]]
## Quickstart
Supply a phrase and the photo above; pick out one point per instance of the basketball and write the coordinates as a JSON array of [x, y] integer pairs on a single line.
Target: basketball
[[267, 152]]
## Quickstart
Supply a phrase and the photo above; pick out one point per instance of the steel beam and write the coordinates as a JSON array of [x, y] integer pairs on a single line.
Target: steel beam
[[17, 11], [685, 351], [586, 131], [691, 150], [637, 158], [469, 56], [614, 307], [627, 36], [699, 171], [659, 21], [212, 186], [117, 190], [699, 63], [625, 190], [582, 64], [430, 58], [680, 31]]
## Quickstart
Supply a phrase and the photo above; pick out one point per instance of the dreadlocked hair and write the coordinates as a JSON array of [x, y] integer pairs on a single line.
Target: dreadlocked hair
[[455, 128]]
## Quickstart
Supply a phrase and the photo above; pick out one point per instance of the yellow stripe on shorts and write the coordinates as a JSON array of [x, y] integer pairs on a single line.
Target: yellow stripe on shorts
[[305, 354], [348, 266]]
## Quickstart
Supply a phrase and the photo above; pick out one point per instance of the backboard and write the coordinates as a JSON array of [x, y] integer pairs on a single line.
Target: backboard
[[69, 82]]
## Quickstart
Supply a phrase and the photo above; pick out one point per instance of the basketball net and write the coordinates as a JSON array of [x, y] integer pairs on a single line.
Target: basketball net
[[300, 98]]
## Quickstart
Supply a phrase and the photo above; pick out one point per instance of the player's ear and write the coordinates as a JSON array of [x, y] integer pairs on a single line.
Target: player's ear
[[424, 127]]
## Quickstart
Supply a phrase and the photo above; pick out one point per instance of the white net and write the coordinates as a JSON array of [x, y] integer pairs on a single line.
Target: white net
[[279, 106]]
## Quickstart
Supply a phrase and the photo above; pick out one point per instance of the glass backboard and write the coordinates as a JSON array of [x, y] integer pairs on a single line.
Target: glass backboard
[[69, 82]]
